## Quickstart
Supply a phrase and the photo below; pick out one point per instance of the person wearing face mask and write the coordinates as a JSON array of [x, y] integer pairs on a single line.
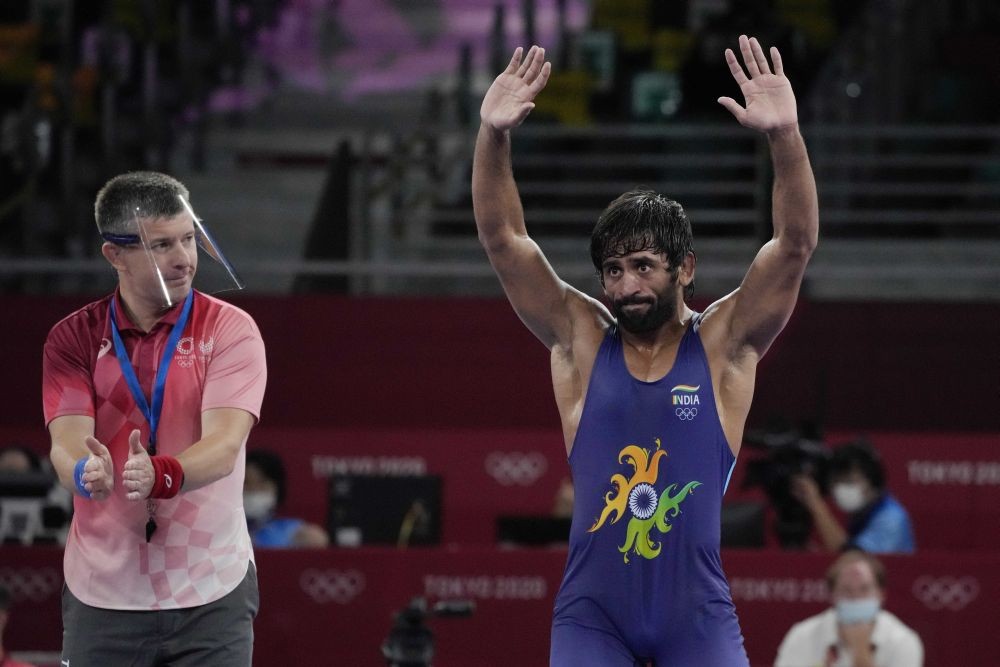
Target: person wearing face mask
[[263, 493], [855, 631], [877, 522]]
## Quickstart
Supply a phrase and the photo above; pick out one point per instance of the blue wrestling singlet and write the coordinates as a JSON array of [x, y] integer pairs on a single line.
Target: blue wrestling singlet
[[643, 579]]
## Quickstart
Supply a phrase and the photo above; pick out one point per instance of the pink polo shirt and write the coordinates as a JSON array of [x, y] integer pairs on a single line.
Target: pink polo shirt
[[201, 549]]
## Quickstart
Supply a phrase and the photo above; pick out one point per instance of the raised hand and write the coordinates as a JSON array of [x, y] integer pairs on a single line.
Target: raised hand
[[98, 472], [137, 474], [510, 98], [770, 102]]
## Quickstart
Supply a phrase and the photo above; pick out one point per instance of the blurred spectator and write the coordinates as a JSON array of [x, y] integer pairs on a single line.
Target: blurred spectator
[[264, 490], [17, 458], [5, 604], [855, 631], [704, 74], [38, 516], [876, 521]]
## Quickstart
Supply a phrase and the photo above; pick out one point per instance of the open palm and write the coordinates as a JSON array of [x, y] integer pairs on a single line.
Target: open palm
[[770, 102], [510, 98]]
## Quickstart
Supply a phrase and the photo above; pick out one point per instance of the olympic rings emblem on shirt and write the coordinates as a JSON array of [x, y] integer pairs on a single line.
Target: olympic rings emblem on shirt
[[953, 593], [28, 583], [332, 585], [510, 468], [686, 414]]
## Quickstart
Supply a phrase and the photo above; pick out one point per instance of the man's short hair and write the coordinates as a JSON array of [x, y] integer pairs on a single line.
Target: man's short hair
[[862, 456], [642, 220], [854, 556], [150, 193]]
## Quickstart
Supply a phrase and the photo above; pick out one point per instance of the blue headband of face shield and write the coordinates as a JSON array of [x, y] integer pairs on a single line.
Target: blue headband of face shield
[[121, 239]]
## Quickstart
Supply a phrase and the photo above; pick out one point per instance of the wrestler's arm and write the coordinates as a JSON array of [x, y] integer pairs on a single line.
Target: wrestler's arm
[[545, 303], [762, 304], [739, 328]]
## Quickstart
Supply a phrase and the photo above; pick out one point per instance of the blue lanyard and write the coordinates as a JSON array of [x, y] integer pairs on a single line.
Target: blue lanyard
[[152, 415]]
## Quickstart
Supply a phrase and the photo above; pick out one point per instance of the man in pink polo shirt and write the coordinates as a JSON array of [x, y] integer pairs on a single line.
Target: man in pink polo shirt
[[149, 395]]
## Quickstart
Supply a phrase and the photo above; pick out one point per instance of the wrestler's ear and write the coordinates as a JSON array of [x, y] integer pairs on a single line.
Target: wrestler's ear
[[685, 272]]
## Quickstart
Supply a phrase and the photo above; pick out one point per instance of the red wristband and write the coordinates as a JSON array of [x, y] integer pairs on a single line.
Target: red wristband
[[168, 476]]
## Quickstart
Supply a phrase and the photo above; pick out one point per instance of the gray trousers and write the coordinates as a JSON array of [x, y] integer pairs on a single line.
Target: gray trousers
[[219, 633]]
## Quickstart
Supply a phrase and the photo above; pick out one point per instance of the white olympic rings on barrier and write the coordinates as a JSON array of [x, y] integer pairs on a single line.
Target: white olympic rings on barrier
[[28, 583], [332, 585], [952, 593], [510, 468]]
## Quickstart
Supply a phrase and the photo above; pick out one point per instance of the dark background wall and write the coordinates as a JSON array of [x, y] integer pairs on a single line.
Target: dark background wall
[[391, 362]]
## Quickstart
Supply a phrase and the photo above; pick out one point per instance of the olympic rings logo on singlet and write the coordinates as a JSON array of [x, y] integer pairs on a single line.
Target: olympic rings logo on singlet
[[685, 399]]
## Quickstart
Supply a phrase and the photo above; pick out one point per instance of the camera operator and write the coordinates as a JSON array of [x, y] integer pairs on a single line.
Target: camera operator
[[877, 523], [410, 642]]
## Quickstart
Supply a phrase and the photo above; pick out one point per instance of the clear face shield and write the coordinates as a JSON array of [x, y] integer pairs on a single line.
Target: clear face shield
[[166, 256]]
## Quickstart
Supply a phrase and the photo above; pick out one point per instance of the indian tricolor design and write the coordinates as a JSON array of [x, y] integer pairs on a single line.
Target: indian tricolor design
[[637, 495]]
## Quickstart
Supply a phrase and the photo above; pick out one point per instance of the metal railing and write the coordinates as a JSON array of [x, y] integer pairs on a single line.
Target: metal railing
[[895, 201]]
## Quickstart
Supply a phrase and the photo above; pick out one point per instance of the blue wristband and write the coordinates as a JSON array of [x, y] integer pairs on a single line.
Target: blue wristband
[[78, 477]]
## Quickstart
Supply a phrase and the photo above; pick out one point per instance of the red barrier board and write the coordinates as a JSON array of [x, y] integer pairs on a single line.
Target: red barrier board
[[345, 362], [334, 607], [949, 482]]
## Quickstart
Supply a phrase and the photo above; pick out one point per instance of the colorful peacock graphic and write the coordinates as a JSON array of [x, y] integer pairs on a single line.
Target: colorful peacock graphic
[[638, 494]]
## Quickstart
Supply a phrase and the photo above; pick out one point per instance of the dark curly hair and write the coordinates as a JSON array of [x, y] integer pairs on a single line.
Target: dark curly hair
[[643, 220]]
